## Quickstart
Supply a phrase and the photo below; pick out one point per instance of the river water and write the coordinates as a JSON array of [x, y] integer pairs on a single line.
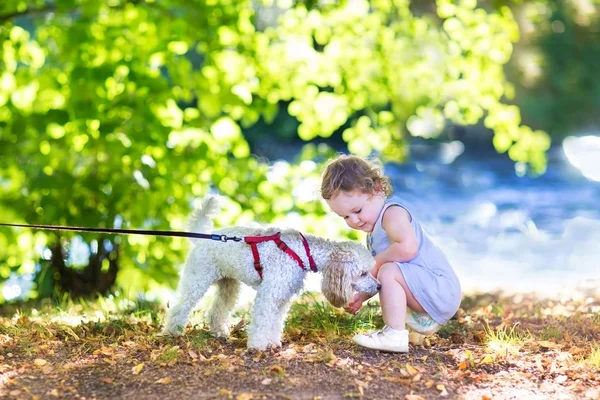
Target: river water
[[502, 231]]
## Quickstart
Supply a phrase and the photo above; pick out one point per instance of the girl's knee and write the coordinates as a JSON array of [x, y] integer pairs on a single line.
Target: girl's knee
[[387, 271]]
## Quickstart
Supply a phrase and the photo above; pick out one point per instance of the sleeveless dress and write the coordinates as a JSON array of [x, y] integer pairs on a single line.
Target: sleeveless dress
[[429, 275]]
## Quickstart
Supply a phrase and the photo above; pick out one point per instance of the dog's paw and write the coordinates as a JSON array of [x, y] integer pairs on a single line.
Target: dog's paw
[[220, 332], [261, 345], [264, 344], [172, 331]]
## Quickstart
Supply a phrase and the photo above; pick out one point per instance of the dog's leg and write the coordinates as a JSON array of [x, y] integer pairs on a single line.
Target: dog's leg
[[192, 286], [225, 299], [278, 322], [268, 314]]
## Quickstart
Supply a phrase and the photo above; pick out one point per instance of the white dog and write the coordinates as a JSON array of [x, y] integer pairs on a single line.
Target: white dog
[[345, 267]]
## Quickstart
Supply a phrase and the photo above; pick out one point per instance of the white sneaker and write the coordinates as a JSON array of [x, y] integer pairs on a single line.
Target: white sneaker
[[421, 322], [386, 339]]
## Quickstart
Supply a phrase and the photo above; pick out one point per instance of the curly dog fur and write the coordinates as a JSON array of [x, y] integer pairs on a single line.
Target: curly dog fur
[[344, 266]]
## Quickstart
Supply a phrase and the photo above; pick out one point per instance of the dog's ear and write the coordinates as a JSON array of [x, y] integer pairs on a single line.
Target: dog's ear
[[336, 283]]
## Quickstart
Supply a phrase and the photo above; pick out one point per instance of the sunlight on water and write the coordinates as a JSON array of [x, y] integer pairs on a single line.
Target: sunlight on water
[[516, 234], [584, 154], [527, 260], [11, 290]]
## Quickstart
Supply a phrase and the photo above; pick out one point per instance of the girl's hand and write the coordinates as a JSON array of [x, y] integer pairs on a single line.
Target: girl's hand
[[356, 302]]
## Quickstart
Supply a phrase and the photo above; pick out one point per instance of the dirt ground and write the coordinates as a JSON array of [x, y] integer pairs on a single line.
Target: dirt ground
[[552, 358]]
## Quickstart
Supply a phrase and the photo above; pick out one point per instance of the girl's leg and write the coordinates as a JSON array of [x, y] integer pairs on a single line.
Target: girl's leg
[[395, 296]]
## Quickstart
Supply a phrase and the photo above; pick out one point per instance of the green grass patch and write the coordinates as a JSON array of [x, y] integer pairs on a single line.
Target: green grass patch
[[168, 356], [199, 338], [505, 340], [317, 317], [551, 332], [594, 359]]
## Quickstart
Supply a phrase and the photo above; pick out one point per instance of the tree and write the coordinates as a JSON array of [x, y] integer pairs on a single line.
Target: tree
[[555, 65], [121, 113]]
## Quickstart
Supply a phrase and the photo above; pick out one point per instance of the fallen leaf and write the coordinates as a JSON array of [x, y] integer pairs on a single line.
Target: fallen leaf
[[71, 333], [463, 364], [14, 393], [403, 381], [40, 362], [137, 369], [277, 370], [411, 370], [480, 336], [193, 354], [539, 365], [576, 350], [107, 351], [545, 344], [165, 381], [415, 338], [442, 389], [413, 397], [486, 397], [487, 359], [361, 383], [266, 381], [244, 396]]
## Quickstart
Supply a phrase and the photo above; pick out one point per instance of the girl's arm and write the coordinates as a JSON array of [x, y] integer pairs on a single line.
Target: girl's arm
[[404, 244]]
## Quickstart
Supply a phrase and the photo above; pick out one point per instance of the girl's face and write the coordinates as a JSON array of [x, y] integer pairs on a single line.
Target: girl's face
[[359, 210]]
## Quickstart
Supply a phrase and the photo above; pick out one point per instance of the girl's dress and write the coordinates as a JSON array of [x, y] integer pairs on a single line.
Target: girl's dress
[[429, 275]]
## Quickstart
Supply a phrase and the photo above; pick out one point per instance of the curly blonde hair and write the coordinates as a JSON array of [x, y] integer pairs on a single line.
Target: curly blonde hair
[[350, 173]]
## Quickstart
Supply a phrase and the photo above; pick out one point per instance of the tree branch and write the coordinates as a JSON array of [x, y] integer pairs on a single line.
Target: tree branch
[[48, 8], [51, 8]]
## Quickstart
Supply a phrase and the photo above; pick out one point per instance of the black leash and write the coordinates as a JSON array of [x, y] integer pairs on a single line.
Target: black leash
[[115, 231]]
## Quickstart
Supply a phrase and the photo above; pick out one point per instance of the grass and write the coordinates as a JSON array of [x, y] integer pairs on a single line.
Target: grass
[[312, 315], [594, 359], [551, 332], [504, 340], [168, 356]]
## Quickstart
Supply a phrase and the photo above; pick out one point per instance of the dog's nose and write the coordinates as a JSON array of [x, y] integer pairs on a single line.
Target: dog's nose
[[379, 286]]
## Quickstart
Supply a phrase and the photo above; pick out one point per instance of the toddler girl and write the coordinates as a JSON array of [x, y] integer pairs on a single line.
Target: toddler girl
[[419, 288]]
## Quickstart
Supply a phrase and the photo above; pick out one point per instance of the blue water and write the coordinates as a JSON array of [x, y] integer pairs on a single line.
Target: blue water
[[502, 231]]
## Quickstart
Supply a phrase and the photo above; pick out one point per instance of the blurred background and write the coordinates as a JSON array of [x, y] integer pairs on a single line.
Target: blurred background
[[124, 113]]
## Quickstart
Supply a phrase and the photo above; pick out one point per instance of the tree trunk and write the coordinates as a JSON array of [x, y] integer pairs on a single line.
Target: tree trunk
[[90, 280]]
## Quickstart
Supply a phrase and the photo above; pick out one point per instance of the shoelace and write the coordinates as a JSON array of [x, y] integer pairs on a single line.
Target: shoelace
[[425, 320], [380, 332]]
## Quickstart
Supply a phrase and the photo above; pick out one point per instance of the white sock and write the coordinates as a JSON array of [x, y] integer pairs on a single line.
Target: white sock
[[395, 331]]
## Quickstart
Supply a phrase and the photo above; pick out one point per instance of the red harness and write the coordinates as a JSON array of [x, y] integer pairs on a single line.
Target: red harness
[[254, 240]]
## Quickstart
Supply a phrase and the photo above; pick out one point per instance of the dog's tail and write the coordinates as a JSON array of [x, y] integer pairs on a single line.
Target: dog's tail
[[201, 219]]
